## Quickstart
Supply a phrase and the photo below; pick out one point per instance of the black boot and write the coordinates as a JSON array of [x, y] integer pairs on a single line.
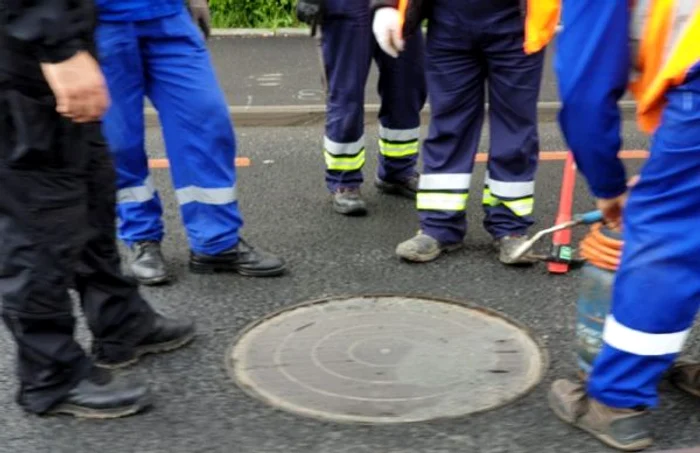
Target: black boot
[[166, 335], [101, 395], [147, 263], [242, 259], [407, 188]]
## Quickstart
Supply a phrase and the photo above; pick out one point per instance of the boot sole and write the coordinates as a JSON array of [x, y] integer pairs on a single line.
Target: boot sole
[[199, 268], [351, 212], [604, 438], [102, 414], [142, 351], [517, 263], [417, 258], [395, 189], [156, 281]]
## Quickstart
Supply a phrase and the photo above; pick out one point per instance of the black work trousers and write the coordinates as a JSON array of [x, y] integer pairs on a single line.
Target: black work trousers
[[57, 232]]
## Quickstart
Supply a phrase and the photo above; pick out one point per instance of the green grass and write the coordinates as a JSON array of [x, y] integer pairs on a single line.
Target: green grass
[[253, 13]]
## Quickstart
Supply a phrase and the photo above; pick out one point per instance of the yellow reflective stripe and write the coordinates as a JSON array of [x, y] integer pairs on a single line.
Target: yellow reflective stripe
[[521, 208], [345, 163], [389, 149], [489, 200], [437, 201]]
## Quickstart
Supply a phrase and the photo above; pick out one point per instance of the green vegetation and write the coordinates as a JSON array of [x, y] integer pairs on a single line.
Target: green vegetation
[[253, 13]]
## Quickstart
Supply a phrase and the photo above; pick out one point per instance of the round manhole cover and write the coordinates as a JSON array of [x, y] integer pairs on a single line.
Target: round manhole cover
[[385, 359]]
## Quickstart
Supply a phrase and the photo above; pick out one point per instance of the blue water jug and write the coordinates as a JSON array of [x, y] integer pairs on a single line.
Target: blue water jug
[[592, 307]]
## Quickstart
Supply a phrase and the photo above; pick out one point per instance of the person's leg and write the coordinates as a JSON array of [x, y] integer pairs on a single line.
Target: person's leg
[[43, 225], [402, 89], [123, 324], [347, 54], [514, 79], [201, 146], [138, 204], [455, 73], [657, 287]]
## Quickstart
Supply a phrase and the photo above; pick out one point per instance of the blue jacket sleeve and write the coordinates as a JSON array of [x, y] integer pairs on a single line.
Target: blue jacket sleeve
[[592, 66]]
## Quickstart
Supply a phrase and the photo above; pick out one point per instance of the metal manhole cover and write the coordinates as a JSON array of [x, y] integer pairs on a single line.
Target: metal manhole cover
[[386, 359]]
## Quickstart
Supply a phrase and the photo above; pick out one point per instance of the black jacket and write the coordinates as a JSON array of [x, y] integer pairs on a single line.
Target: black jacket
[[42, 31]]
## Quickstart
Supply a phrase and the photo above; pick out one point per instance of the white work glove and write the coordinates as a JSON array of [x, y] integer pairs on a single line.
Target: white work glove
[[386, 27]]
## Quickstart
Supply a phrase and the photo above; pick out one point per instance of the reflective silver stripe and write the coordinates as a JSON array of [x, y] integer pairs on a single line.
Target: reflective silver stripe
[[138, 194], [432, 201], [399, 135], [642, 343], [343, 149], [445, 181], [202, 195], [503, 189]]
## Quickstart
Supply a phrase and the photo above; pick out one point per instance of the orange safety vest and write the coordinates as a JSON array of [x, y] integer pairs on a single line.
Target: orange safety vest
[[666, 40], [541, 23]]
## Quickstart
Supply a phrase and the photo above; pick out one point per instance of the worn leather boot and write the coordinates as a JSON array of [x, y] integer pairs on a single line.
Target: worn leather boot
[[242, 259], [147, 263], [423, 248], [685, 375], [348, 201], [507, 246], [623, 429], [101, 395], [166, 335], [407, 188]]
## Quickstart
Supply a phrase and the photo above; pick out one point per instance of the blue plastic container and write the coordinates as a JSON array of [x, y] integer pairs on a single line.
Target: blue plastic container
[[592, 307]]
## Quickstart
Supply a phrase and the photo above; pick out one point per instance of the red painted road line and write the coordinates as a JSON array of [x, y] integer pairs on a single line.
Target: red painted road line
[[481, 157]]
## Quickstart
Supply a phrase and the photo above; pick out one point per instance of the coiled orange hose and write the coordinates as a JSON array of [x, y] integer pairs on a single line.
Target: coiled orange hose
[[600, 249]]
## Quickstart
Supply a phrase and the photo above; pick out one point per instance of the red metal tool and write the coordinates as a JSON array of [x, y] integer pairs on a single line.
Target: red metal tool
[[561, 256]]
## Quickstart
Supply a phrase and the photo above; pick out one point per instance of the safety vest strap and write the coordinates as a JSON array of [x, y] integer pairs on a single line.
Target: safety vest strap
[[541, 23]]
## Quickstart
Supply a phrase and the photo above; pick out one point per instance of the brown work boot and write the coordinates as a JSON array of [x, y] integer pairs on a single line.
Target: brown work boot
[[686, 376], [623, 429], [506, 247]]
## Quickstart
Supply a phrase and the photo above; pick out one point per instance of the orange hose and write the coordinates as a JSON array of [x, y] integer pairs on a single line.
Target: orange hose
[[600, 250]]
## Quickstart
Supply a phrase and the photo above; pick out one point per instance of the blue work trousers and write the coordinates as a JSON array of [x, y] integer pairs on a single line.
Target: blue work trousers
[[348, 47], [166, 60], [657, 287], [472, 44]]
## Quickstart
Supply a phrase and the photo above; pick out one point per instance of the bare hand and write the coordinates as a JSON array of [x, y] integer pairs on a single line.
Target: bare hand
[[612, 207], [79, 87]]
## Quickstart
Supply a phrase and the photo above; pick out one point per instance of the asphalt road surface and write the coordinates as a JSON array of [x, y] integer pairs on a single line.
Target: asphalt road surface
[[287, 210]]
